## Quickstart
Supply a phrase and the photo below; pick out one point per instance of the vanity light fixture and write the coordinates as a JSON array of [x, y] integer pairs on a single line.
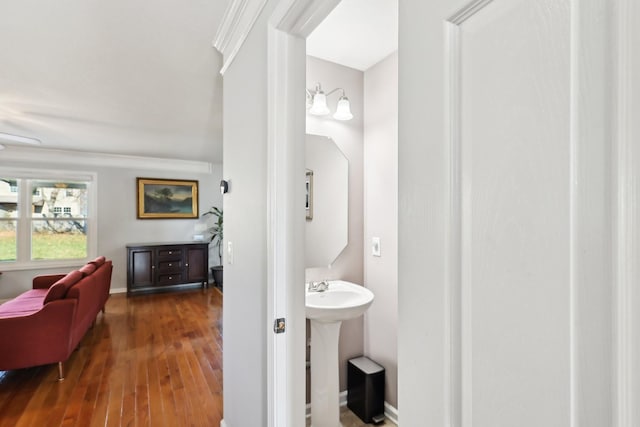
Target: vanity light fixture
[[318, 100]]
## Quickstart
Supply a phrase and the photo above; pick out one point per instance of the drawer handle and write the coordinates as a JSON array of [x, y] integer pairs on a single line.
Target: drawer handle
[[170, 277], [170, 252], [170, 264], [187, 265], [153, 266]]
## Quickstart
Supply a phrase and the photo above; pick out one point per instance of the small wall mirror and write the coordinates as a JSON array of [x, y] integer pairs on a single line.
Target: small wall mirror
[[327, 201]]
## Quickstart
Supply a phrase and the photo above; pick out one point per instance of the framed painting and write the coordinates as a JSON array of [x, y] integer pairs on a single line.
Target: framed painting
[[167, 198]]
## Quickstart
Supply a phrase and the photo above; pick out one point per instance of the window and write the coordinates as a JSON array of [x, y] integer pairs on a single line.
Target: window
[[47, 220], [8, 219]]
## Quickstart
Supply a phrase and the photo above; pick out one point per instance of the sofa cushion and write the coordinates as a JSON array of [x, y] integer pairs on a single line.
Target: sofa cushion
[[59, 289], [98, 261], [87, 269], [56, 291], [37, 294], [24, 304]]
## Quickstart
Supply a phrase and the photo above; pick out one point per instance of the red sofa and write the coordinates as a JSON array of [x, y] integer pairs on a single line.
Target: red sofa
[[45, 324]]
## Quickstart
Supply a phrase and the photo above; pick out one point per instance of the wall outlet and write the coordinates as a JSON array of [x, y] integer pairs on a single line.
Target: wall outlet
[[375, 246], [229, 253]]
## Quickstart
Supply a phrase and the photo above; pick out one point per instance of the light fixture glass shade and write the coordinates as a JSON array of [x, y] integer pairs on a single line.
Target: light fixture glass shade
[[319, 107], [343, 111]]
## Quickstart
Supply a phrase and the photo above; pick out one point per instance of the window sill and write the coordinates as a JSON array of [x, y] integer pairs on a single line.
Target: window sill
[[42, 265]]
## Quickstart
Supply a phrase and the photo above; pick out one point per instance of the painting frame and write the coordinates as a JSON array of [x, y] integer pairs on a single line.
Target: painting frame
[[156, 198]]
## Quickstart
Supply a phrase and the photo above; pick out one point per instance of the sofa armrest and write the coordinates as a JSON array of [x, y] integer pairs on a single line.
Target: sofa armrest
[[37, 339], [45, 281]]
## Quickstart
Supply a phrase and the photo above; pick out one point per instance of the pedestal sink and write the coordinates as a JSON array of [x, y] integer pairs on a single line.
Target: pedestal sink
[[326, 310]]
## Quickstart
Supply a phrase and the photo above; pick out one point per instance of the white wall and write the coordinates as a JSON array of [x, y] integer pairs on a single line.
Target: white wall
[[631, 126], [117, 222], [381, 217], [348, 136], [245, 281]]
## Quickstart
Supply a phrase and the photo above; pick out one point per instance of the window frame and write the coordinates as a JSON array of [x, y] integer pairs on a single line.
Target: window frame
[[25, 219]]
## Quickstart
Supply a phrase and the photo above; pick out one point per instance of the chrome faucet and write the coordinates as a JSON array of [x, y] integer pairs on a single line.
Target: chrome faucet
[[318, 286]]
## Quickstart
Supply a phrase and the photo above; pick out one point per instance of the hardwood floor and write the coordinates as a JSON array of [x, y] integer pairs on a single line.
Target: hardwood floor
[[149, 361]]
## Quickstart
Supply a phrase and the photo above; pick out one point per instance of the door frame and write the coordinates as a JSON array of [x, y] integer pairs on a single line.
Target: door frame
[[289, 25], [627, 225]]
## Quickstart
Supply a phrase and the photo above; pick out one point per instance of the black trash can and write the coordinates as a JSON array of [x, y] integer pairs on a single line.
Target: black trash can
[[365, 389]]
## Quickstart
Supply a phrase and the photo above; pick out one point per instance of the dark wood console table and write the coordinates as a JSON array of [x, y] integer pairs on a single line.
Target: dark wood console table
[[160, 267]]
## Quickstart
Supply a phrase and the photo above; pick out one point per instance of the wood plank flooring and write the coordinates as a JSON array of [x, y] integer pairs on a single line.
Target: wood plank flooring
[[149, 361]]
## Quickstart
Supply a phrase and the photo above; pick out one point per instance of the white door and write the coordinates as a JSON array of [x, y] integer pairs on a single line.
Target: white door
[[506, 217]]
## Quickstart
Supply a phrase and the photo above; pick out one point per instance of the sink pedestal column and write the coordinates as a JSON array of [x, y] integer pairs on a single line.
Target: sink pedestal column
[[325, 384]]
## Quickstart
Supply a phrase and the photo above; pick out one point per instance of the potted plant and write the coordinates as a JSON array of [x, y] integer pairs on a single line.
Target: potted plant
[[216, 240]]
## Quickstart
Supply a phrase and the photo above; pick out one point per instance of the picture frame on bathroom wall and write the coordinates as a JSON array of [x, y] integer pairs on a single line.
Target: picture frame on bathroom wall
[[167, 198], [309, 194]]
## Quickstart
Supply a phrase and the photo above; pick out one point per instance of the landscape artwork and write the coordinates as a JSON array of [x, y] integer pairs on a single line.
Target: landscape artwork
[[166, 198]]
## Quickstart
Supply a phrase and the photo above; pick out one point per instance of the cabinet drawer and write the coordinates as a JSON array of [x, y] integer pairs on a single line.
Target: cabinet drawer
[[169, 279], [161, 267], [171, 266], [174, 253]]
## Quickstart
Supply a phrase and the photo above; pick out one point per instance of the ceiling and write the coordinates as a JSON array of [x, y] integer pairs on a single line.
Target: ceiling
[[121, 77], [142, 78], [357, 33]]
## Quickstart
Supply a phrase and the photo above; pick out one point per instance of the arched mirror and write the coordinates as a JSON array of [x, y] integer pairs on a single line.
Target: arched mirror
[[327, 201]]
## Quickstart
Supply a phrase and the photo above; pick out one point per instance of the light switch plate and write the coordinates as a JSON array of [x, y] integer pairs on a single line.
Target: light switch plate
[[375, 246], [229, 253]]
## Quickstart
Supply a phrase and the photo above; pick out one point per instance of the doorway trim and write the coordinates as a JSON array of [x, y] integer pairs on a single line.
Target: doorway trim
[[289, 25], [627, 231]]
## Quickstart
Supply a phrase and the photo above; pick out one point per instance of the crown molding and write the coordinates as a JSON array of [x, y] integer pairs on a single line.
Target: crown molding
[[301, 17], [239, 18], [48, 156]]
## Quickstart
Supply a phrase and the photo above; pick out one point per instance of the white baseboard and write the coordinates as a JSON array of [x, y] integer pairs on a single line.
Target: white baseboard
[[343, 402], [389, 411]]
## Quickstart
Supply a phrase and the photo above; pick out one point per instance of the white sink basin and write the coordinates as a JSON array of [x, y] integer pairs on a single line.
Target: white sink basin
[[342, 301], [327, 309]]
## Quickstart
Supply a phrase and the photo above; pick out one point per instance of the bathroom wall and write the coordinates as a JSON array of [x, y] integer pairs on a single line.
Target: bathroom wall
[[348, 136], [381, 217]]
